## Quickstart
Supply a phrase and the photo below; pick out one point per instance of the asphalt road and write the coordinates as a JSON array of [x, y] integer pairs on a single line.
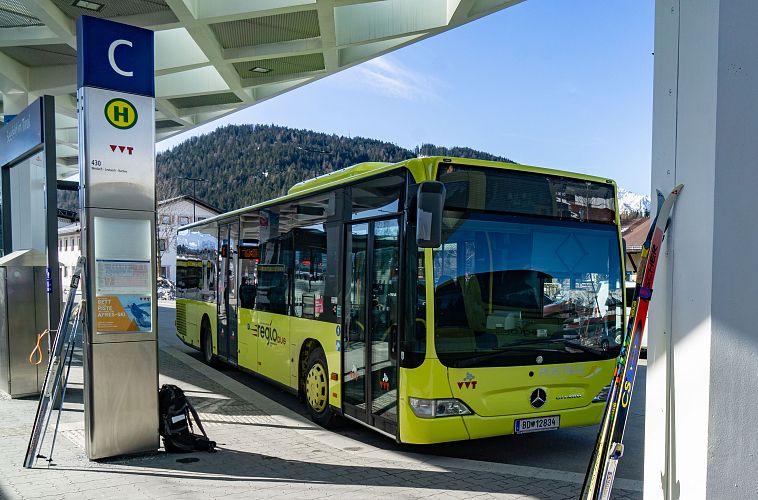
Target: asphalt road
[[565, 449]]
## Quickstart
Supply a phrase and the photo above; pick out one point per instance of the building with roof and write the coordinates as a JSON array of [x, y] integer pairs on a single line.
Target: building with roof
[[634, 232], [69, 250], [172, 214]]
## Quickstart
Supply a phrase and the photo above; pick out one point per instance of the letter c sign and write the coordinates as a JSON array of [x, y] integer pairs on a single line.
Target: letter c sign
[[112, 57]]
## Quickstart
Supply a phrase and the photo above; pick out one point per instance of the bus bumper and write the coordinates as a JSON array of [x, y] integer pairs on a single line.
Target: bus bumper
[[482, 427], [429, 431]]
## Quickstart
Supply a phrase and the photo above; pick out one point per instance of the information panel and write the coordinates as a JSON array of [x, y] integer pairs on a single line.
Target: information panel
[[123, 276], [123, 292]]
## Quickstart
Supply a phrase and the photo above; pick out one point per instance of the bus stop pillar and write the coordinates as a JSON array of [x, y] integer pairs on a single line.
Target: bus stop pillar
[[700, 439], [116, 99]]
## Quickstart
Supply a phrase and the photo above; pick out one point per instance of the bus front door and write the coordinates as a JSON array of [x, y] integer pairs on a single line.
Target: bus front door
[[371, 323], [227, 296]]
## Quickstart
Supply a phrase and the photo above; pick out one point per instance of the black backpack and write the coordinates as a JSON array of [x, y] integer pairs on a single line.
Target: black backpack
[[175, 424]]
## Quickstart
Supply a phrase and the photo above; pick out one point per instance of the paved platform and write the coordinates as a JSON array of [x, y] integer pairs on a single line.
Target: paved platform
[[265, 451]]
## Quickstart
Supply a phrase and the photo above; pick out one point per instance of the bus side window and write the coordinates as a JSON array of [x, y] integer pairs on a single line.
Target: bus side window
[[274, 275], [310, 271], [378, 196]]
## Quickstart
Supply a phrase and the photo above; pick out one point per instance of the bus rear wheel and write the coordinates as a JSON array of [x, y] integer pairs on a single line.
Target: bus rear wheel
[[206, 341], [317, 388]]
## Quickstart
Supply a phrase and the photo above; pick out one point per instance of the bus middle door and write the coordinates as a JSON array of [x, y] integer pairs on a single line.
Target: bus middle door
[[371, 323], [227, 299]]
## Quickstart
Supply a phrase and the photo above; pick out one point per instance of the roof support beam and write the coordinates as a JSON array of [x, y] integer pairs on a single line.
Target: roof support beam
[[189, 112], [206, 40], [67, 136], [54, 18], [65, 110], [30, 35], [273, 50], [342, 3], [14, 76], [53, 79], [15, 103], [326, 23], [220, 11], [268, 91], [198, 81], [350, 56], [457, 10], [170, 111], [266, 80], [156, 21]]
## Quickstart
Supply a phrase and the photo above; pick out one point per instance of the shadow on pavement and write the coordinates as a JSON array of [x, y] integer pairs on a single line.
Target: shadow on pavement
[[255, 467]]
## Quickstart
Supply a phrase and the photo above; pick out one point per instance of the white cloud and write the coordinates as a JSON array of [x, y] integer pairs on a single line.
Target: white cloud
[[390, 78]]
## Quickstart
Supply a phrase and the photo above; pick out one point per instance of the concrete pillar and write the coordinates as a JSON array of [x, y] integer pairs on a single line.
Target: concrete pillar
[[701, 430], [14, 103]]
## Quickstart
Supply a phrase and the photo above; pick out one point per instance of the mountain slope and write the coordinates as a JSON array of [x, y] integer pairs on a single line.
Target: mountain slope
[[246, 164]]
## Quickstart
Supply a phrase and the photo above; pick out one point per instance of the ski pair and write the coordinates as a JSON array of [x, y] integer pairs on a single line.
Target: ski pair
[[609, 447]]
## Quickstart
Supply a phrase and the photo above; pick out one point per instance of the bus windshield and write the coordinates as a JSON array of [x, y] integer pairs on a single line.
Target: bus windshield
[[516, 290]]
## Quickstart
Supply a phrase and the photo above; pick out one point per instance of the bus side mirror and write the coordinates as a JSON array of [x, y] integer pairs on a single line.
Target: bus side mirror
[[429, 204]]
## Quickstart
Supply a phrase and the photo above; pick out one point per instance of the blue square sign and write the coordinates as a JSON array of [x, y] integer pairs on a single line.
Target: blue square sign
[[114, 56]]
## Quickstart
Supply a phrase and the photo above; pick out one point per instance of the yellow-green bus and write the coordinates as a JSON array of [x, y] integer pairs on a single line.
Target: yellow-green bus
[[436, 299]]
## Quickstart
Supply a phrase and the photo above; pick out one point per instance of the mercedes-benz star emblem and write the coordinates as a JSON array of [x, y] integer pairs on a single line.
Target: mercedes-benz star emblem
[[538, 397]]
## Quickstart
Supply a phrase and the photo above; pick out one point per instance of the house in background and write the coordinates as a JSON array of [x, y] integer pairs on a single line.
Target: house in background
[[69, 250], [172, 214], [634, 232]]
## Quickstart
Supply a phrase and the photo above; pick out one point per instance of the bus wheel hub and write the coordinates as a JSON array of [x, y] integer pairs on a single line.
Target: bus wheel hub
[[316, 388]]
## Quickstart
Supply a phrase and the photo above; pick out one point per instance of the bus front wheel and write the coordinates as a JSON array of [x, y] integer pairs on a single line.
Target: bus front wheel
[[317, 388]]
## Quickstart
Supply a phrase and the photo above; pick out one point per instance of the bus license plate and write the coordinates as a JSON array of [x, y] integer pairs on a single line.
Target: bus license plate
[[538, 424]]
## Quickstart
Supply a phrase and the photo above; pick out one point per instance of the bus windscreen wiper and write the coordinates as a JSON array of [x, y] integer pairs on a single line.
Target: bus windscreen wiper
[[468, 362], [523, 346], [573, 343]]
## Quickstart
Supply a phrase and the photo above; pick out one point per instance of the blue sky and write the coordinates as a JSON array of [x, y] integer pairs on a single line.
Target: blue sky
[[555, 83]]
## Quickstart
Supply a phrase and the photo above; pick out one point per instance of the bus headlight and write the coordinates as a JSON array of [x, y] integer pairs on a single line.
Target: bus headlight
[[433, 408], [602, 396]]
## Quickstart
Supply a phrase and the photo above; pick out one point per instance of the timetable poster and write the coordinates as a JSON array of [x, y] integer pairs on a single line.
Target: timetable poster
[[123, 291]]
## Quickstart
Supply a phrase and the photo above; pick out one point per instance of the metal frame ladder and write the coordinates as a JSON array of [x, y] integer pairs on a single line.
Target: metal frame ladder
[[61, 356]]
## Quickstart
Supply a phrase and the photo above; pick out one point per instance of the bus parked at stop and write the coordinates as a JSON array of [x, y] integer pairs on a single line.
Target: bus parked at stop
[[436, 299]]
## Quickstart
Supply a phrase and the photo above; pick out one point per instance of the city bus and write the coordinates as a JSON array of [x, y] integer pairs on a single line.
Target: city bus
[[436, 299]]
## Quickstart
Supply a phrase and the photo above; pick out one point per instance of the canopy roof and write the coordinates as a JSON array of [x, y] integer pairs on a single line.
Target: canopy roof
[[212, 57]]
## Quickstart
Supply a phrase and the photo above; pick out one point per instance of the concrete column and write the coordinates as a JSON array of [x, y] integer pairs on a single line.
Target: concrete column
[[14, 103], [701, 435]]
